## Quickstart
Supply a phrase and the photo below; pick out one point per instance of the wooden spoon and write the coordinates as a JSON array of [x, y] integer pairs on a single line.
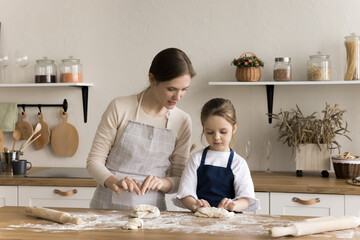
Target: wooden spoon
[[36, 130], [16, 135]]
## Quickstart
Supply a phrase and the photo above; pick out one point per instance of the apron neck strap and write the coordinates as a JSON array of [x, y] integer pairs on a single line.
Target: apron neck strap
[[167, 116], [203, 157], [139, 106]]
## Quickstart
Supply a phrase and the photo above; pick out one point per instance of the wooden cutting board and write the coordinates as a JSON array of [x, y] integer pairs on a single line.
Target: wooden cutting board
[[64, 138], [1, 141], [24, 127], [44, 139]]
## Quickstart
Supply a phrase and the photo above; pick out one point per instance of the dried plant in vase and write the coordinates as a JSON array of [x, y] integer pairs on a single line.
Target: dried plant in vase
[[313, 138], [296, 129]]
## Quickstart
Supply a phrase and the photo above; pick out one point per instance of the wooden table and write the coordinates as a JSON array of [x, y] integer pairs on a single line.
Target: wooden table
[[106, 224]]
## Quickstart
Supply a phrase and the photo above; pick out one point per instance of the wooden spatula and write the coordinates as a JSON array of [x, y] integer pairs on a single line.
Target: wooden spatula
[[44, 139], [64, 138], [25, 127]]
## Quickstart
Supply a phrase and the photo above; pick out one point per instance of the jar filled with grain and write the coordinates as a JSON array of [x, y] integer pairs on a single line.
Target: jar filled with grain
[[319, 67], [282, 69], [70, 70]]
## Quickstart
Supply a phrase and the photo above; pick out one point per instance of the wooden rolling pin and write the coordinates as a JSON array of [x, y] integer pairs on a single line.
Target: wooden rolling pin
[[316, 226], [54, 215]]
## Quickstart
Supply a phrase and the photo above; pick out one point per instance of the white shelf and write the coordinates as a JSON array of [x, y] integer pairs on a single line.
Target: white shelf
[[46, 85], [277, 83], [84, 90]]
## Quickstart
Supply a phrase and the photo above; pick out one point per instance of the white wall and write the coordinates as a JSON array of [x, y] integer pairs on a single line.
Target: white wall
[[117, 39]]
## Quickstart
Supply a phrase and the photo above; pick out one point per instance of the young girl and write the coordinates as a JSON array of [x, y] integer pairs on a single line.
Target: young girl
[[216, 176]]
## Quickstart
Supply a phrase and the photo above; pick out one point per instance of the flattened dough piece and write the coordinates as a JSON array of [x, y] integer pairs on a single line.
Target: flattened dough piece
[[145, 211], [213, 212], [134, 224]]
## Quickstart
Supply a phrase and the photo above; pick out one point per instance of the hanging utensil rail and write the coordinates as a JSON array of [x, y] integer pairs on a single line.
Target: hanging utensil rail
[[64, 106]]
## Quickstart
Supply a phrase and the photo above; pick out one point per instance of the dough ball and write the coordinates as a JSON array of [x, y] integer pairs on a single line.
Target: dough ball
[[213, 212], [145, 211], [134, 224]]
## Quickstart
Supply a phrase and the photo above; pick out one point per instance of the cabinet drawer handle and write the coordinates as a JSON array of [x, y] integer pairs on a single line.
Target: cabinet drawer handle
[[68, 193], [306, 202]]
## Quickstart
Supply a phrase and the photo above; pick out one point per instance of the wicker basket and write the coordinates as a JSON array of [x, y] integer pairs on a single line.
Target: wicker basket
[[248, 74], [346, 168]]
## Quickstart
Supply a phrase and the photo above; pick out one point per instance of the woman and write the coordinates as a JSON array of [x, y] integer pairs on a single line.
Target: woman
[[141, 137]]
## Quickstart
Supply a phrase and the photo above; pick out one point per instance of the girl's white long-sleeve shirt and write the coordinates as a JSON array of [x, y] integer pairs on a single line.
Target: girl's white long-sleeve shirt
[[243, 184]]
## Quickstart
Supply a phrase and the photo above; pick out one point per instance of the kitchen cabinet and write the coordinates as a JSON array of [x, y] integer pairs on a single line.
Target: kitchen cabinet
[[74, 197], [8, 196], [264, 198], [352, 205], [84, 90], [302, 204]]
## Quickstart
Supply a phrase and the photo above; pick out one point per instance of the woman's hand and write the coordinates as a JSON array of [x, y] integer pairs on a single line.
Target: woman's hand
[[227, 204], [151, 183], [119, 186]]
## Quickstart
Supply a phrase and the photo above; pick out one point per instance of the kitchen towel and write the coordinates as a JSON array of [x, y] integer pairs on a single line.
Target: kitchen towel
[[8, 116]]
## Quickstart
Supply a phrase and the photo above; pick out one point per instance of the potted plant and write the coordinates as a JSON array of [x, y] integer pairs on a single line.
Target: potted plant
[[312, 137], [248, 67]]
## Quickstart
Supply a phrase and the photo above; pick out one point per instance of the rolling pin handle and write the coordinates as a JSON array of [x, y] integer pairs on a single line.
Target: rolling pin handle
[[283, 231], [64, 194], [306, 202]]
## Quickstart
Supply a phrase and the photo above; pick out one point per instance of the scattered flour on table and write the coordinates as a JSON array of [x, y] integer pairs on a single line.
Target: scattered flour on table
[[169, 221], [174, 222]]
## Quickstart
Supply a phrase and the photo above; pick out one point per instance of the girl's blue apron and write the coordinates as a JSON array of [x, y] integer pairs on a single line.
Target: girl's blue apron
[[215, 183]]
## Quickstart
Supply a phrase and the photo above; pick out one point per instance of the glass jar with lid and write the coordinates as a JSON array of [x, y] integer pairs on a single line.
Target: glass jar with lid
[[352, 67], [70, 70], [319, 67], [45, 71], [282, 69]]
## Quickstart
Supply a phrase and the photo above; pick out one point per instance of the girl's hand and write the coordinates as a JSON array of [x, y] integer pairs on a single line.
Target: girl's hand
[[119, 186], [151, 183], [199, 204], [227, 204]]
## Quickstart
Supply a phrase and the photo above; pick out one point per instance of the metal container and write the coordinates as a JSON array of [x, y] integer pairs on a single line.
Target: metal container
[[7, 158]]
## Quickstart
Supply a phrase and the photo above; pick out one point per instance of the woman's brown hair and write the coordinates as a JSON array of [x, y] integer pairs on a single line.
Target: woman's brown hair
[[171, 63]]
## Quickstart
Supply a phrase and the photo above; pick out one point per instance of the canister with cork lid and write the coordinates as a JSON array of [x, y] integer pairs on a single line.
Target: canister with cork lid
[[352, 66], [70, 70], [45, 71], [319, 67]]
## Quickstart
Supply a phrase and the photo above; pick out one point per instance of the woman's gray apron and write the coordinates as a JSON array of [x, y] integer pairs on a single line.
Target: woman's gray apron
[[143, 150]]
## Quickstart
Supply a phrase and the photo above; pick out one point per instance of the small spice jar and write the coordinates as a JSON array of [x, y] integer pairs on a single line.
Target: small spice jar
[[282, 69], [45, 71], [70, 70], [319, 67]]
